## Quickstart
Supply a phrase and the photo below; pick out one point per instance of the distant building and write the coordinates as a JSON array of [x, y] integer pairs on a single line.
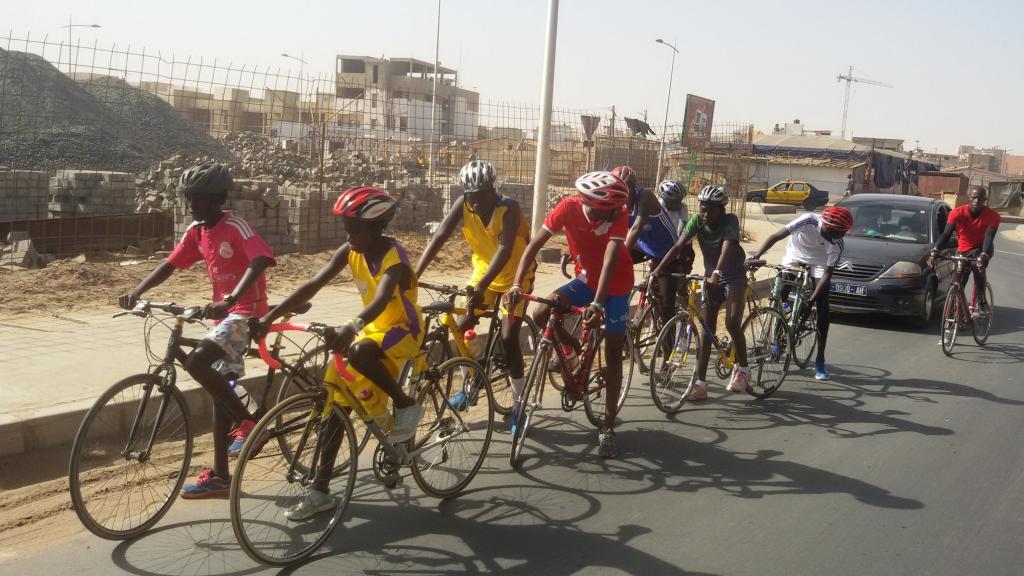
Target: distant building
[[894, 144], [392, 97]]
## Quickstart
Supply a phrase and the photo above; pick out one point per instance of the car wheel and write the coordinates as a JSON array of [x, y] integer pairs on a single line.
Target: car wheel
[[924, 316], [758, 199], [809, 205]]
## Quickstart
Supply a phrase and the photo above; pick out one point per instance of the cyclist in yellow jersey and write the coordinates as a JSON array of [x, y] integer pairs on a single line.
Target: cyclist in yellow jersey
[[497, 233], [379, 339]]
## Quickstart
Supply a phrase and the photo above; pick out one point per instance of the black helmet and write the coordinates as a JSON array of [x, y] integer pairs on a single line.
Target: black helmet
[[208, 178]]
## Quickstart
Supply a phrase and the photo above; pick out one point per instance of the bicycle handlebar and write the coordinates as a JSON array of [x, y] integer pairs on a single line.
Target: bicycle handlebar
[[443, 288], [144, 308], [315, 328], [565, 264]]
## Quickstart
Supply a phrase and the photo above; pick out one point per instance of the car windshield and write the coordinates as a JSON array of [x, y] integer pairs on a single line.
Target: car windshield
[[889, 223]]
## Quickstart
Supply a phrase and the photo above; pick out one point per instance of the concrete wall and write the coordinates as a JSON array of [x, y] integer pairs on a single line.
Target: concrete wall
[[91, 193], [23, 195]]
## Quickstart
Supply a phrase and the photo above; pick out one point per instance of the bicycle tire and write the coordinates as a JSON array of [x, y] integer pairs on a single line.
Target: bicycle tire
[[314, 363], [96, 461], [643, 337], [595, 400], [768, 344], [804, 340], [981, 329], [258, 506], [677, 346], [497, 366], [467, 431], [950, 320], [531, 401]]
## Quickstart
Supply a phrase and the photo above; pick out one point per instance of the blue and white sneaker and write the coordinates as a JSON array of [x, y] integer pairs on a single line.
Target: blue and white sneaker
[[514, 419], [462, 400], [820, 372]]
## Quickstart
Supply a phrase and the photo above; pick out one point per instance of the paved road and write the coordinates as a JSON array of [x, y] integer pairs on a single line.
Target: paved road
[[908, 462]]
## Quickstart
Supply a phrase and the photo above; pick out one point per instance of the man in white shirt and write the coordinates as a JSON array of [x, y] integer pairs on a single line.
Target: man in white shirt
[[816, 242]]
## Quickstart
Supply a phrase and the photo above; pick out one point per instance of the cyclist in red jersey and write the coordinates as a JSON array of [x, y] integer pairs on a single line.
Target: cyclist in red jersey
[[975, 225]]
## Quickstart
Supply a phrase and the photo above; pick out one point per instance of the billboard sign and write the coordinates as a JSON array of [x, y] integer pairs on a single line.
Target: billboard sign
[[700, 114]]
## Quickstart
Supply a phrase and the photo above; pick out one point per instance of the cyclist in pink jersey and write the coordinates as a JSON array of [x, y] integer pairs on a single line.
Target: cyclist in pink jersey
[[235, 258]]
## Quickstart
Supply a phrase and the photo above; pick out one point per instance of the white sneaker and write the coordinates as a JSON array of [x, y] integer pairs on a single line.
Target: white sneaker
[[311, 504], [698, 391], [740, 381], [406, 420]]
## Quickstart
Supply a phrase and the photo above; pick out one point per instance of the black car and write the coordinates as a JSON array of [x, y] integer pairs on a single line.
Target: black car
[[884, 264]]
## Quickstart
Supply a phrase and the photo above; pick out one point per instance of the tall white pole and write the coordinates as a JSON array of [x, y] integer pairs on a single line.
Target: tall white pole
[[433, 103], [540, 176], [668, 100]]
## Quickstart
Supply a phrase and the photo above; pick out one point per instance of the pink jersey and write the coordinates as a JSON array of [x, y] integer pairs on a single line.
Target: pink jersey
[[227, 248]]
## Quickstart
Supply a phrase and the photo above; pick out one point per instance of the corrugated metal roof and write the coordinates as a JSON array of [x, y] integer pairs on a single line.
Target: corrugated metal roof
[[818, 162]]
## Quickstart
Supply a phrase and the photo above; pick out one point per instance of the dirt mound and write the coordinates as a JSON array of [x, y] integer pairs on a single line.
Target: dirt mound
[[49, 122], [71, 286]]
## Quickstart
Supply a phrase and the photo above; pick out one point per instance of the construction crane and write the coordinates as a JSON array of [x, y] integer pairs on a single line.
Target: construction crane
[[850, 78]]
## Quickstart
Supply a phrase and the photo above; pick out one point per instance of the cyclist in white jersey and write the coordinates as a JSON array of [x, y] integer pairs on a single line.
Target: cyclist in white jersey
[[816, 242]]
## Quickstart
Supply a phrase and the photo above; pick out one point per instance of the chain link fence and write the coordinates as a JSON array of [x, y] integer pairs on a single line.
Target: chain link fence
[[92, 140]]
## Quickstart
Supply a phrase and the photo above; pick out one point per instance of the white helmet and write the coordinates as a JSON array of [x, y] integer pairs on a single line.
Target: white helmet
[[477, 175], [713, 194], [602, 190], [671, 190]]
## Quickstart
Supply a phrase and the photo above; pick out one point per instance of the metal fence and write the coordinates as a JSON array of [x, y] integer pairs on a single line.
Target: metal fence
[[93, 132]]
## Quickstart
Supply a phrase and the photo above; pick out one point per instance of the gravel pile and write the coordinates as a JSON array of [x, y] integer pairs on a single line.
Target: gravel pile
[[50, 122]]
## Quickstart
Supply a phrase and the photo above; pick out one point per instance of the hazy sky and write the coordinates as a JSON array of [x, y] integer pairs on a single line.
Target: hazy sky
[[955, 66]]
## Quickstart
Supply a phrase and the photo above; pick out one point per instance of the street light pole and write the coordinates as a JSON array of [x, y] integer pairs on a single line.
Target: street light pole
[[668, 100], [540, 175], [433, 107], [69, 26]]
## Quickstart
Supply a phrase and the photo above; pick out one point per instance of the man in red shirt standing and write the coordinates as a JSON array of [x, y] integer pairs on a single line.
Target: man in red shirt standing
[[976, 225], [236, 258], [595, 227]]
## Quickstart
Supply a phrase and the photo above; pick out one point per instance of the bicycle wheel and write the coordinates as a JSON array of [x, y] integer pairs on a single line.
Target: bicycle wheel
[[672, 364], [121, 483], [269, 482], [497, 364], [644, 335], [573, 324], [950, 320], [450, 445], [768, 345], [596, 398], [805, 340], [981, 327], [311, 365], [533, 394]]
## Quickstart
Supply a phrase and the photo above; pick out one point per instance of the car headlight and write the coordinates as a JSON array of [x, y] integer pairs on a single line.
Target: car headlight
[[903, 270]]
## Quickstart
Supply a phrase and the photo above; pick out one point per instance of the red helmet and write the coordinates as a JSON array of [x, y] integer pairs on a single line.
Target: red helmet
[[627, 174], [366, 204], [837, 219], [602, 190]]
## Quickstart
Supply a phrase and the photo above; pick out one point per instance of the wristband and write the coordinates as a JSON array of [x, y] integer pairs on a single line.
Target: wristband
[[357, 323], [717, 273], [230, 299], [516, 286], [598, 305]]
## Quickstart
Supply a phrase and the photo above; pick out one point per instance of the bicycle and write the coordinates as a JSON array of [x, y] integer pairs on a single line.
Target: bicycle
[[956, 314], [444, 455], [439, 318], [132, 451], [586, 383], [768, 345], [803, 325]]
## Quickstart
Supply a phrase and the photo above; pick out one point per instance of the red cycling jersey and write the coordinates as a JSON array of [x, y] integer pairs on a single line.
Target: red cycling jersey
[[970, 231]]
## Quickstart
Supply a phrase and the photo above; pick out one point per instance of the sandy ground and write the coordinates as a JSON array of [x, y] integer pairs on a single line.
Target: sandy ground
[[69, 286]]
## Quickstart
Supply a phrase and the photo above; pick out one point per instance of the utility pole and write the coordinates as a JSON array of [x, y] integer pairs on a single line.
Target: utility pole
[[540, 176], [849, 77]]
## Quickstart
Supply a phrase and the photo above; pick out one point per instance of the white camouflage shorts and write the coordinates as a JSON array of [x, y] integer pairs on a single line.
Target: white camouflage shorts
[[232, 335]]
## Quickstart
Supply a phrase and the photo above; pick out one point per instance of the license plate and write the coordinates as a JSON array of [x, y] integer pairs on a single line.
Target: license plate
[[852, 289]]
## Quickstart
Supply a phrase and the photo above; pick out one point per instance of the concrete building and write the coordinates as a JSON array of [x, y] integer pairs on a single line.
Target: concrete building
[[894, 144], [393, 97], [229, 109], [990, 159]]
